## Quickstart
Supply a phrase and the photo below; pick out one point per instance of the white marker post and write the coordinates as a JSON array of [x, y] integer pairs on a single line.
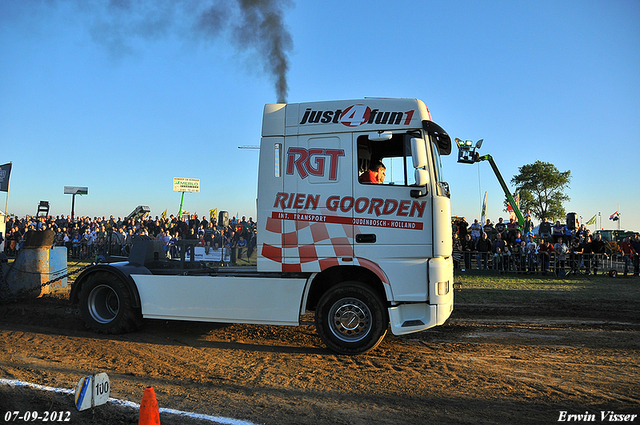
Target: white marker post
[[92, 391]]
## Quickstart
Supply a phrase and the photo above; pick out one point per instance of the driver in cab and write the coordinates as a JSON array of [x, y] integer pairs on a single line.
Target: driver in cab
[[375, 174]]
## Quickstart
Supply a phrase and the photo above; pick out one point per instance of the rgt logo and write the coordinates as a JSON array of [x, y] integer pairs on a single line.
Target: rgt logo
[[356, 115], [313, 161]]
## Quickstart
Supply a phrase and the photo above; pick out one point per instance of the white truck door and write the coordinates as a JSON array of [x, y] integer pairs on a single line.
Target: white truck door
[[392, 228]]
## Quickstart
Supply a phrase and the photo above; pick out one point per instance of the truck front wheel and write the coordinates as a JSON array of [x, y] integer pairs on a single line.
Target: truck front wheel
[[351, 318], [106, 306]]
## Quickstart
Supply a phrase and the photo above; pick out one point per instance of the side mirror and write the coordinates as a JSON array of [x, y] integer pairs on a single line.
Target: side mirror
[[418, 153], [422, 177]]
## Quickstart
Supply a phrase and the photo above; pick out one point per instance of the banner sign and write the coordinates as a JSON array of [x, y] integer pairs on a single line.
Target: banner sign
[[202, 253], [75, 190], [186, 185], [5, 172]]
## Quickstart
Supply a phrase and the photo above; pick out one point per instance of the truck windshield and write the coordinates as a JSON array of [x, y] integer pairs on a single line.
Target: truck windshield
[[437, 166]]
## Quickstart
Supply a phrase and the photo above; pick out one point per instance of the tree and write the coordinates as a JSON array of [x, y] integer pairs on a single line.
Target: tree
[[541, 186]]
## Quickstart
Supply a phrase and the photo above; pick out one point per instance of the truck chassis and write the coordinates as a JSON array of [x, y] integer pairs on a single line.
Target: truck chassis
[[350, 312]]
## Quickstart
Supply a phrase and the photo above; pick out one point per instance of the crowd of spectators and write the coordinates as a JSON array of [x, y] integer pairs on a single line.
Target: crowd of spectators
[[556, 248], [86, 237], [503, 247]]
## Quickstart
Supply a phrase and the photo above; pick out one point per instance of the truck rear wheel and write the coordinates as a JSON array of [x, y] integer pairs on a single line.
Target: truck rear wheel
[[106, 306], [351, 318]]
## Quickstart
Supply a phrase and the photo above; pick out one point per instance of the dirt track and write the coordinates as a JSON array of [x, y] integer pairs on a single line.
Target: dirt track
[[487, 365]]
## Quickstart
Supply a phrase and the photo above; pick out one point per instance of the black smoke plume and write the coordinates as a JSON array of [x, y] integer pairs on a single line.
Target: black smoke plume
[[251, 25], [261, 26], [258, 26]]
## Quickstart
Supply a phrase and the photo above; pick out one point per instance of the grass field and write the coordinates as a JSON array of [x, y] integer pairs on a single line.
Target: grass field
[[600, 298], [528, 290]]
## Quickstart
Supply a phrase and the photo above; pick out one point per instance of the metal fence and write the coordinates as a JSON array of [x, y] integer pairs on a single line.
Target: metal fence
[[544, 264]]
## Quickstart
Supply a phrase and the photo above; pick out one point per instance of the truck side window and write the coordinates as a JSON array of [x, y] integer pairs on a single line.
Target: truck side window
[[388, 162]]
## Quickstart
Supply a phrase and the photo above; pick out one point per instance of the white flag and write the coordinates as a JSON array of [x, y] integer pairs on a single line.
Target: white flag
[[483, 215]]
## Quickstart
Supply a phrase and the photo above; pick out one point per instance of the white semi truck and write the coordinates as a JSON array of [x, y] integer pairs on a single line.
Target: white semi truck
[[364, 257]]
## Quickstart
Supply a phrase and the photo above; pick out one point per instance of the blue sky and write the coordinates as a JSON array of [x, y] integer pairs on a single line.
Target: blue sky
[[123, 96]]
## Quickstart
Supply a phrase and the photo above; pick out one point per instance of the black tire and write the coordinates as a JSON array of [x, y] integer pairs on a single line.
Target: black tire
[[106, 305], [351, 318]]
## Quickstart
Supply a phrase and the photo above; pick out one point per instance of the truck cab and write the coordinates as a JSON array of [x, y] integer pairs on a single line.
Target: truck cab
[[316, 216]]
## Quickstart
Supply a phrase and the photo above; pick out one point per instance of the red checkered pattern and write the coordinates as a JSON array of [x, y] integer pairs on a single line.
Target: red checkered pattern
[[313, 246]]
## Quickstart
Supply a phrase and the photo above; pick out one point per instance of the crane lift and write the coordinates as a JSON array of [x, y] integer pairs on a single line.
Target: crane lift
[[467, 155]]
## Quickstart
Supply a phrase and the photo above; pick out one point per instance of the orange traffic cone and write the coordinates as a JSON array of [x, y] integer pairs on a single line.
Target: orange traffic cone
[[149, 414]]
